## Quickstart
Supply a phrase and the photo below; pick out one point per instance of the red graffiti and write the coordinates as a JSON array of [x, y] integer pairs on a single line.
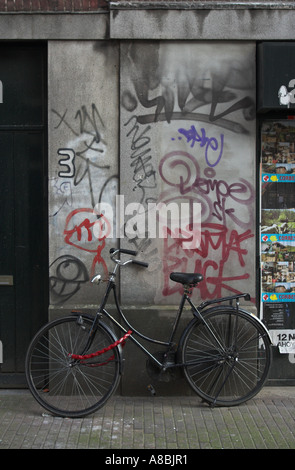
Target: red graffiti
[[79, 232], [222, 244], [225, 228]]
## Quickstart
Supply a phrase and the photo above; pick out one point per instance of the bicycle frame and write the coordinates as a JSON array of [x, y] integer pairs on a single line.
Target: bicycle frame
[[111, 286], [102, 311]]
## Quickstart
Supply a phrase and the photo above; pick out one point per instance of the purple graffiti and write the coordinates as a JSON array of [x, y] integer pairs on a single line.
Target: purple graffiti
[[193, 136], [219, 199]]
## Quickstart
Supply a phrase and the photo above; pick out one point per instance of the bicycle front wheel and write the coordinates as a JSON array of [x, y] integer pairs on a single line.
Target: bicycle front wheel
[[227, 358], [67, 387]]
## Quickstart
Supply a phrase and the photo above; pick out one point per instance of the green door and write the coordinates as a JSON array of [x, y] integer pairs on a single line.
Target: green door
[[23, 228]]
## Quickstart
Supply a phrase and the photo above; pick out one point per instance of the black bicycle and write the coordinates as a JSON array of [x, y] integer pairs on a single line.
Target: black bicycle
[[74, 363]]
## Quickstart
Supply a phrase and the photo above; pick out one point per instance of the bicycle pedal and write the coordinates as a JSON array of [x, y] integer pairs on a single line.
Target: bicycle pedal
[[151, 389]]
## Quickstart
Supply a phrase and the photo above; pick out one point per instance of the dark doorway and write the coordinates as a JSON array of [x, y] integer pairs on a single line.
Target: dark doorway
[[23, 209]]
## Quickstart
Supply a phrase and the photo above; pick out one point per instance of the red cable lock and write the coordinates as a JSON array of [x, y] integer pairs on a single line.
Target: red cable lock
[[102, 351]]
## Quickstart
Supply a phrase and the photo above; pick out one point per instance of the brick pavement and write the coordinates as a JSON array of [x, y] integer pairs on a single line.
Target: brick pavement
[[265, 422]]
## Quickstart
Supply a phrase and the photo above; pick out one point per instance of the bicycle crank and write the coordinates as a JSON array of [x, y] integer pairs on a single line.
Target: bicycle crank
[[166, 373]]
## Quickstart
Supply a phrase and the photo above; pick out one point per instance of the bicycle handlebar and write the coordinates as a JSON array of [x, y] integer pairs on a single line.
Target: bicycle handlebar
[[140, 263], [113, 251]]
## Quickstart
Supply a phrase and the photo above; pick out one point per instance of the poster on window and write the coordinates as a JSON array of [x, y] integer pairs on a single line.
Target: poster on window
[[278, 231]]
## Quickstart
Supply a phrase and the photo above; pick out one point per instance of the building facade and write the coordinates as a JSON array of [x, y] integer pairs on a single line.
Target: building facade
[[118, 106]]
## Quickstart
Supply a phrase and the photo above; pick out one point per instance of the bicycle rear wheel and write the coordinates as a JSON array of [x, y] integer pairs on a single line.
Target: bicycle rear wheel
[[67, 387], [229, 364]]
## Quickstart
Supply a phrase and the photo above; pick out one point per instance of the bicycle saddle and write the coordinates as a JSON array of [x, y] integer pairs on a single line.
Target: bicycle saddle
[[186, 278]]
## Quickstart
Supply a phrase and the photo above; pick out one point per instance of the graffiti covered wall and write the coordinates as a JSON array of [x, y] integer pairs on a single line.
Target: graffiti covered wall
[[83, 164], [184, 132], [187, 134]]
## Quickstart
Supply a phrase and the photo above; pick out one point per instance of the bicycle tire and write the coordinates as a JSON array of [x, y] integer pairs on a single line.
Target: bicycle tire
[[67, 387], [234, 370]]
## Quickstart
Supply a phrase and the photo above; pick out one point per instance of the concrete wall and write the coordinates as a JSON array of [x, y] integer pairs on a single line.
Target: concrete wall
[[205, 22], [188, 135], [150, 122], [83, 163], [259, 21]]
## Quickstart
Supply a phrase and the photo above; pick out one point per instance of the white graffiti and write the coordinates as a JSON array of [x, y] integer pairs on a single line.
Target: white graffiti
[[285, 97]]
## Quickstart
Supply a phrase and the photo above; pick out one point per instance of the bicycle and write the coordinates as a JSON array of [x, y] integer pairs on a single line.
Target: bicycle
[[74, 364]]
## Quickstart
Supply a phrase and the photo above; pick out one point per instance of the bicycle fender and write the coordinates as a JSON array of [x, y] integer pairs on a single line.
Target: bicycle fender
[[109, 330], [229, 307], [262, 324], [183, 335]]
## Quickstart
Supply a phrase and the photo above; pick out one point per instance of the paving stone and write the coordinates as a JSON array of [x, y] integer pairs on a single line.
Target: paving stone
[[152, 423]]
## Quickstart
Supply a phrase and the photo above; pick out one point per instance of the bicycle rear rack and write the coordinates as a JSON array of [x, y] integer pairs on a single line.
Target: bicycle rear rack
[[229, 299]]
